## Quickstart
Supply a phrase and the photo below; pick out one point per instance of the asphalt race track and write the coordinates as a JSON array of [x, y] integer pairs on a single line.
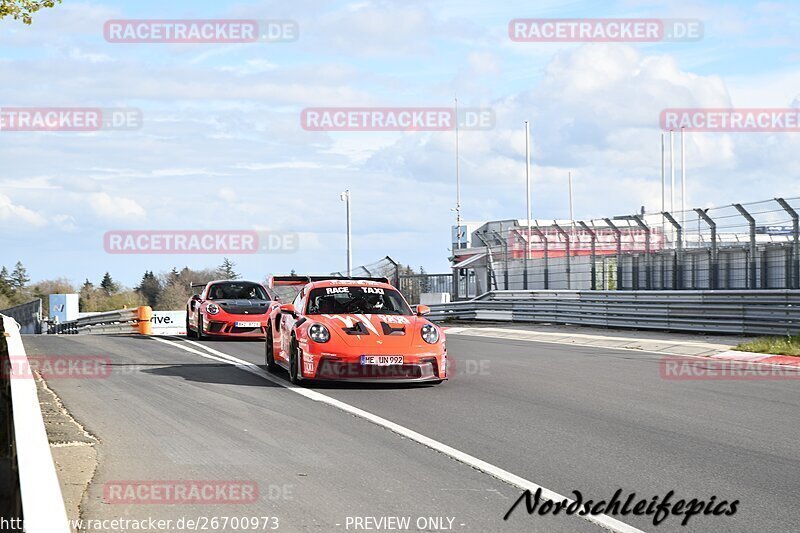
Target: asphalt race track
[[567, 418]]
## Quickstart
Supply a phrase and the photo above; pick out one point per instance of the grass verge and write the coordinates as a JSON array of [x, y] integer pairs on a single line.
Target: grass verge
[[787, 345]]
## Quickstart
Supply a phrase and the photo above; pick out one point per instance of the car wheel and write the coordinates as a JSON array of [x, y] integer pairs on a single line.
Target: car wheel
[[200, 335], [190, 333], [294, 364], [269, 350]]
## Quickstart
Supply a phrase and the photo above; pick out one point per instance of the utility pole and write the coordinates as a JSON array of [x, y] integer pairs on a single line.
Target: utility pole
[[672, 177], [527, 196], [345, 197], [683, 182], [663, 187], [458, 185], [571, 212]]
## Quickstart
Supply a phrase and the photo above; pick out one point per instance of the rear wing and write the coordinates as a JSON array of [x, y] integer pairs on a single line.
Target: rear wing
[[278, 281]]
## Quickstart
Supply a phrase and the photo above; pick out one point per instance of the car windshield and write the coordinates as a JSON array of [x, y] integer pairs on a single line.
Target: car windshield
[[351, 300], [237, 291]]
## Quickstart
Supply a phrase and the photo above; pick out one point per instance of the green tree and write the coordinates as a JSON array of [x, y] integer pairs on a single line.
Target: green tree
[[19, 278], [23, 9], [5, 282], [150, 288], [108, 285], [424, 281], [86, 297], [226, 271]]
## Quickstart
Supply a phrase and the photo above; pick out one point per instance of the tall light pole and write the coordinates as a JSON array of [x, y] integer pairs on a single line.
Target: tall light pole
[[683, 183], [571, 212], [345, 197], [528, 184], [458, 185], [672, 178], [663, 187]]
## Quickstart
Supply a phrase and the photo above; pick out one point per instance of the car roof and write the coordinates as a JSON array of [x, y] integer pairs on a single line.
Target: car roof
[[234, 281], [348, 283]]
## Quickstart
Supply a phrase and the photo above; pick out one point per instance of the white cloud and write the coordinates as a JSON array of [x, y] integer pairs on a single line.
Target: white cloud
[[115, 207], [227, 194], [18, 215]]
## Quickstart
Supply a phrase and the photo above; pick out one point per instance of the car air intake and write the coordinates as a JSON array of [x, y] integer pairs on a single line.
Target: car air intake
[[358, 329], [389, 330]]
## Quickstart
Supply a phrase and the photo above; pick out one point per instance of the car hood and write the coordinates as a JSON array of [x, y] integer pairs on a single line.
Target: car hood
[[243, 306], [389, 331]]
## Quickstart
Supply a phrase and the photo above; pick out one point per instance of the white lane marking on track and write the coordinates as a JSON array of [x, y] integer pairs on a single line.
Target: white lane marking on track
[[464, 332], [602, 520]]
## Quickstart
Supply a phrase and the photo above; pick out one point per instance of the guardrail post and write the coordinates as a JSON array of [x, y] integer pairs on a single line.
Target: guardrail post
[[618, 234], [593, 235], [542, 236], [751, 284], [677, 260], [713, 274], [794, 272], [564, 234]]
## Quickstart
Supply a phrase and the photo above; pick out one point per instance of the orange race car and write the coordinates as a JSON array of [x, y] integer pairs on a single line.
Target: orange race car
[[353, 329], [229, 308]]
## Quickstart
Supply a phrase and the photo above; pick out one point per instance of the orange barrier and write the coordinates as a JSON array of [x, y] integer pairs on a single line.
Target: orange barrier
[[143, 316]]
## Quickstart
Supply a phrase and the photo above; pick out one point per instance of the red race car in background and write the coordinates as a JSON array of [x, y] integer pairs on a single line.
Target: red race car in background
[[353, 329], [229, 308]]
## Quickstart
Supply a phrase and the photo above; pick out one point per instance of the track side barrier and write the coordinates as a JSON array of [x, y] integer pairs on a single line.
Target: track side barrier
[[746, 312], [136, 320], [34, 490]]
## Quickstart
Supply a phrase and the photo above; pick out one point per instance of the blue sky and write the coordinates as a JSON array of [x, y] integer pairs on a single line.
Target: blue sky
[[222, 146]]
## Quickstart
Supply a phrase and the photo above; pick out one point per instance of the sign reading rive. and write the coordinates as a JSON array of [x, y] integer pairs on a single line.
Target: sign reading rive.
[[169, 322]]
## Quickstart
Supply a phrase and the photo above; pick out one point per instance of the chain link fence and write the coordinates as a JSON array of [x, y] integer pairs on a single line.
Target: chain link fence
[[752, 245]]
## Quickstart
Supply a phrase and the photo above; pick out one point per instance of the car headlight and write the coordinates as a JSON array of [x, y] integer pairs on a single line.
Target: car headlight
[[319, 333], [212, 309], [430, 334]]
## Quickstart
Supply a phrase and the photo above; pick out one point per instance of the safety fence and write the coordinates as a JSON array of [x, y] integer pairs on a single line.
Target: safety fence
[[414, 285], [384, 268], [135, 321], [29, 486], [748, 246], [756, 312]]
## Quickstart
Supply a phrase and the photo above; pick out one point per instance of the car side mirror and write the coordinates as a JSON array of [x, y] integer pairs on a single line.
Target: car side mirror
[[423, 310], [288, 309], [276, 298], [195, 297]]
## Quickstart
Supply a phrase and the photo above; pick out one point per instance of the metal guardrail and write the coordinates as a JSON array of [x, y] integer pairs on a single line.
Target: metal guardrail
[[34, 492], [136, 320], [770, 312], [10, 503]]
